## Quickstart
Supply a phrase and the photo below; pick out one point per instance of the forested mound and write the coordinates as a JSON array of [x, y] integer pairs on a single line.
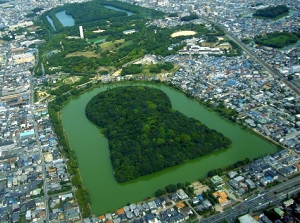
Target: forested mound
[[277, 39], [145, 134], [272, 12]]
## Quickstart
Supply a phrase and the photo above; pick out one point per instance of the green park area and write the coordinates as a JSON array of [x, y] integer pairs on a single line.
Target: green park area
[[108, 45], [277, 39]]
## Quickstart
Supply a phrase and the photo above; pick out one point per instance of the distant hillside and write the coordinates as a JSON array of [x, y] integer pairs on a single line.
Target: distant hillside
[[145, 134]]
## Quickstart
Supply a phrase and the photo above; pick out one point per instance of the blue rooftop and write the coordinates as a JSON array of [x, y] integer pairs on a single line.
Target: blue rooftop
[[269, 178], [201, 198], [231, 82], [27, 133]]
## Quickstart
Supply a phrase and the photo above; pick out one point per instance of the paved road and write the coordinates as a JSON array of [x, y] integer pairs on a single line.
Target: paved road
[[258, 202]]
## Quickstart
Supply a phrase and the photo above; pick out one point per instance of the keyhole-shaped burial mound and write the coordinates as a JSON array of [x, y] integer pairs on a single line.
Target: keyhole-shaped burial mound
[[145, 134]]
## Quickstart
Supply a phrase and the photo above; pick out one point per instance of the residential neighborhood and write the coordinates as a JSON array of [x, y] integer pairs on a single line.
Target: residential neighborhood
[[35, 185]]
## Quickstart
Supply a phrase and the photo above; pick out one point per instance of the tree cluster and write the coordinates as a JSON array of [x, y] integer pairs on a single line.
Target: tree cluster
[[172, 188], [132, 69], [94, 13], [271, 12], [220, 171], [209, 196], [145, 134], [173, 14], [95, 10], [157, 68], [226, 112], [276, 39], [146, 39], [189, 18]]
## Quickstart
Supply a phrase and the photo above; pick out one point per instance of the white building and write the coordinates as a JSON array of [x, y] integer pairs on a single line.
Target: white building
[[181, 194], [81, 32], [247, 219]]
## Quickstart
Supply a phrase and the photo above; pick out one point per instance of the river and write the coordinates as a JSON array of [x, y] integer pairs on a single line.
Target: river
[[94, 162]]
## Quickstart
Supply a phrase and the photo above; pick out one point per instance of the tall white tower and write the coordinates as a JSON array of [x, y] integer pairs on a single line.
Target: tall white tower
[[81, 32]]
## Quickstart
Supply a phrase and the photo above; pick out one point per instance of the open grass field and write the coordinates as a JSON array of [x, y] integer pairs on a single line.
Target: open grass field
[[208, 44], [87, 54], [71, 80], [110, 45]]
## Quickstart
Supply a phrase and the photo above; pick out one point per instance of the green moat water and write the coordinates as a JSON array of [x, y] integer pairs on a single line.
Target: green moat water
[[94, 162]]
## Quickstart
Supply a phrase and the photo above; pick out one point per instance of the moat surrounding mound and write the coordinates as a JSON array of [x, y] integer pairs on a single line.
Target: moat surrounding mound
[[145, 134]]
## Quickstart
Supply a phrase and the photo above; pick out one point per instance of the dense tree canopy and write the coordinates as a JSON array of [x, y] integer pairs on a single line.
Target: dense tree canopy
[[120, 49], [96, 12], [189, 17], [271, 12], [132, 69], [112, 47], [145, 134], [276, 39]]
